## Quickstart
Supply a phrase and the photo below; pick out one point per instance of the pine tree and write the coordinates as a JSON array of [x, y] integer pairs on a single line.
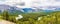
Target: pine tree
[[5, 15]]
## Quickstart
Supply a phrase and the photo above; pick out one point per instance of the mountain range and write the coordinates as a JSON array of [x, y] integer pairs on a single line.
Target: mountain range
[[14, 9]]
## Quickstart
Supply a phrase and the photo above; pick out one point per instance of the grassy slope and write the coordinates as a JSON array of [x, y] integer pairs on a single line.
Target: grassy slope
[[45, 18], [31, 18]]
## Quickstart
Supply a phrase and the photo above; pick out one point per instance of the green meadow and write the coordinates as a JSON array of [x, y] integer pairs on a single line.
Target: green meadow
[[32, 18]]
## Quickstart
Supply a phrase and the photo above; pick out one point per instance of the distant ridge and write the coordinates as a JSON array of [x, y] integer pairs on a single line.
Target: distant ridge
[[14, 9]]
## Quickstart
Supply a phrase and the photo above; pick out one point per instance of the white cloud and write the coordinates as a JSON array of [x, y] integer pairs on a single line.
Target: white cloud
[[48, 2], [29, 2]]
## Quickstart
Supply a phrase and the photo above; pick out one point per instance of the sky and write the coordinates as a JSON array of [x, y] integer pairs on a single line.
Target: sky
[[31, 3], [16, 2]]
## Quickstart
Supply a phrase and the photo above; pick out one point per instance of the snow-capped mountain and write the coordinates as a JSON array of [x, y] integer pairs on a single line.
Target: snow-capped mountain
[[26, 10], [10, 9], [4, 7]]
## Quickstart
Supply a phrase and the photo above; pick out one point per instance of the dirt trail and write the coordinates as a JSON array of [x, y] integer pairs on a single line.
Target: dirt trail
[[5, 22]]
